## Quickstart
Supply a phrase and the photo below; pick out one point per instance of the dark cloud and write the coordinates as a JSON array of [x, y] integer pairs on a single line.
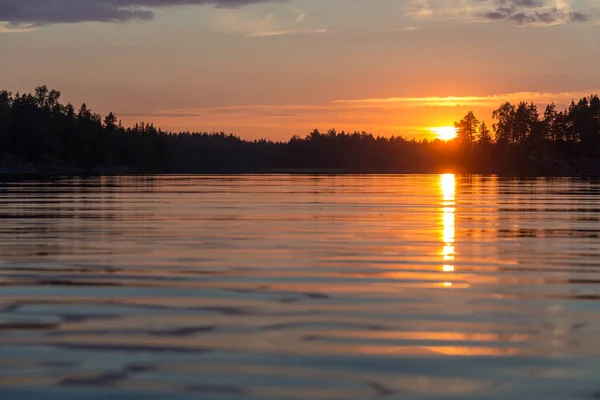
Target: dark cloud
[[525, 12], [579, 17], [510, 4], [46, 12], [494, 15]]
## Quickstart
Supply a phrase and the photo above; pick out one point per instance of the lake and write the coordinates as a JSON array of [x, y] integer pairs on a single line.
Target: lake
[[300, 287]]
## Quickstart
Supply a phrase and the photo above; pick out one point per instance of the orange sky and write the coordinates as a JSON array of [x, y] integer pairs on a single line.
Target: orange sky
[[410, 117], [276, 69]]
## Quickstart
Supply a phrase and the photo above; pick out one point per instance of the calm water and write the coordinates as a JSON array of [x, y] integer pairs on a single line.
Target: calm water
[[300, 287]]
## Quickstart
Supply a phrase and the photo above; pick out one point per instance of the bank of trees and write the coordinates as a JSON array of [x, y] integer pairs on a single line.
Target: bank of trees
[[525, 139], [578, 126], [38, 128]]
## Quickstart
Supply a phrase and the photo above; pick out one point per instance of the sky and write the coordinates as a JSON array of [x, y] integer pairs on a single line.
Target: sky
[[276, 68]]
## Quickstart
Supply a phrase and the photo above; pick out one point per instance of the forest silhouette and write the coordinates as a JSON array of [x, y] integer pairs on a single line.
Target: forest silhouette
[[39, 134]]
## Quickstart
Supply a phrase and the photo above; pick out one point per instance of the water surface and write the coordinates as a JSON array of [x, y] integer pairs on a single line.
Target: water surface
[[299, 287]]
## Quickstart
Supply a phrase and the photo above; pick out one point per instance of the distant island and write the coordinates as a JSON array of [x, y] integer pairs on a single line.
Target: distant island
[[40, 135]]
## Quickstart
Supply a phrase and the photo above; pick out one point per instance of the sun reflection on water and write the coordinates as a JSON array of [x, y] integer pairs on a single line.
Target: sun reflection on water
[[448, 189]]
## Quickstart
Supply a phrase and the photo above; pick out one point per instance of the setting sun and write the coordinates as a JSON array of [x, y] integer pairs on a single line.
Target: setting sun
[[445, 132]]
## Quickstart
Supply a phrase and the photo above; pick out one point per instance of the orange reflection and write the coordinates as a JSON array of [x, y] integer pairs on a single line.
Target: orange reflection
[[474, 351], [442, 350], [448, 188], [484, 336]]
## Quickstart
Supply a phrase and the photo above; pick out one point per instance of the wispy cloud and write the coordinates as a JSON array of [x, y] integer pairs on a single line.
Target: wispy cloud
[[251, 24], [300, 15], [286, 32], [405, 29], [8, 28], [519, 12], [162, 114], [459, 101]]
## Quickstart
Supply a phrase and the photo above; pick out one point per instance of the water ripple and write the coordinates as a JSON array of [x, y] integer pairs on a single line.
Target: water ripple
[[299, 287]]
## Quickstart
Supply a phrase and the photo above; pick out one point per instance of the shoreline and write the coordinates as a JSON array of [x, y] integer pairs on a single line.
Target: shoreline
[[36, 172], [11, 166]]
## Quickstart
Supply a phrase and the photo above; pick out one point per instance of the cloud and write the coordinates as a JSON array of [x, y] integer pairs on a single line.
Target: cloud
[[159, 114], [251, 24], [405, 29], [518, 12], [535, 12], [286, 32], [466, 101], [300, 15], [35, 13]]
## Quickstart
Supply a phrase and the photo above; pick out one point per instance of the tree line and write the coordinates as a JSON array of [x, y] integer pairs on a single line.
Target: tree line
[[526, 140], [37, 128]]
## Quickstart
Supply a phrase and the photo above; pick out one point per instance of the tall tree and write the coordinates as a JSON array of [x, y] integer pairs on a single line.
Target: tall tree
[[466, 129], [525, 119], [503, 127], [550, 122], [485, 136]]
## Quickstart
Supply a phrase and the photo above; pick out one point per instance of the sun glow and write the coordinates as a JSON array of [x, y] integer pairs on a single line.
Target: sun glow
[[445, 132]]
